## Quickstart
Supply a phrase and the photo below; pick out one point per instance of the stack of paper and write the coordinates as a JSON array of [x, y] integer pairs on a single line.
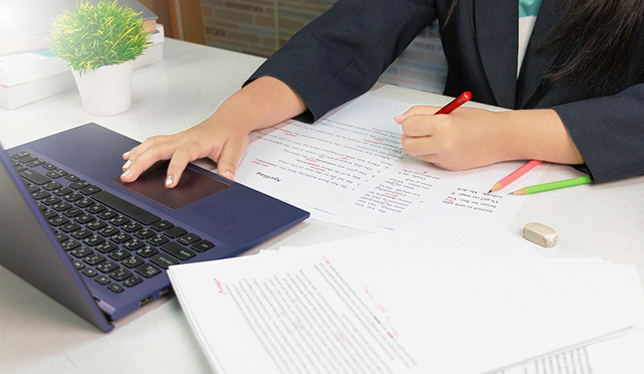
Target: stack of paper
[[457, 298]]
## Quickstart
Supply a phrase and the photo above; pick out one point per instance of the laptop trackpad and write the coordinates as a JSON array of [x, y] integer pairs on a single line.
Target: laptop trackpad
[[193, 186]]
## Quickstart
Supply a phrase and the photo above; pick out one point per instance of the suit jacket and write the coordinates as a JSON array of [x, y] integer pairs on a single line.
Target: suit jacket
[[341, 54]]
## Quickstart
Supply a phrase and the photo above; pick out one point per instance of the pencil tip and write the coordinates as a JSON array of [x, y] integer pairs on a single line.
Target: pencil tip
[[496, 187]]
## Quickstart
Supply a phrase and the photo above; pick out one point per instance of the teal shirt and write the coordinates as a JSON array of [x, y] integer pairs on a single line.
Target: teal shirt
[[529, 8]]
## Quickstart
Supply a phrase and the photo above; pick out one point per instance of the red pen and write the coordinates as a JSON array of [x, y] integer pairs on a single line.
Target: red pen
[[452, 105]]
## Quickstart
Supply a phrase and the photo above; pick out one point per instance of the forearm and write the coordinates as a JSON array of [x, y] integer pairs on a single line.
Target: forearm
[[537, 134], [260, 104]]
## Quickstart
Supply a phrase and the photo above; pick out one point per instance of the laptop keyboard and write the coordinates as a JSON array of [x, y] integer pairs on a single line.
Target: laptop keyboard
[[117, 244]]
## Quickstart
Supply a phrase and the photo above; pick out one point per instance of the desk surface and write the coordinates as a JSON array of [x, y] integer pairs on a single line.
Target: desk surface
[[37, 335]]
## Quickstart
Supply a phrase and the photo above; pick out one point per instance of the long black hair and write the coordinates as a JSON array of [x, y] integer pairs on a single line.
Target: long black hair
[[597, 39]]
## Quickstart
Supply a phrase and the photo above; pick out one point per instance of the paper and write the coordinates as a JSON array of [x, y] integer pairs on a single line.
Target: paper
[[350, 167], [417, 300], [619, 286]]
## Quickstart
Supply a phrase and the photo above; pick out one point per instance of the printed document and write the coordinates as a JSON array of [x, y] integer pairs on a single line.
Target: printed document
[[349, 167], [452, 297]]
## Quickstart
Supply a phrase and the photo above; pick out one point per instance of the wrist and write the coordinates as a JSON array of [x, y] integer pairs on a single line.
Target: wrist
[[538, 134]]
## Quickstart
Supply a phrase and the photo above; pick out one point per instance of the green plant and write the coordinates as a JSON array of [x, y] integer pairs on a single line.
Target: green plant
[[93, 36]]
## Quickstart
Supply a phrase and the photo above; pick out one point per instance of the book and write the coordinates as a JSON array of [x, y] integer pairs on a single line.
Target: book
[[12, 97], [154, 52], [26, 77], [25, 23], [28, 66], [460, 296]]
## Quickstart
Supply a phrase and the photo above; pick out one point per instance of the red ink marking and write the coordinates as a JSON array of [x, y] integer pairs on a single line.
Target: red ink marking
[[221, 289], [313, 167]]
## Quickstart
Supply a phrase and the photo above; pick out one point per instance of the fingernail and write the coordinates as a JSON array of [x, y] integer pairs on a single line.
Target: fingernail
[[230, 175], [127, 154], [127, 164], [169, 180], [125, 173]]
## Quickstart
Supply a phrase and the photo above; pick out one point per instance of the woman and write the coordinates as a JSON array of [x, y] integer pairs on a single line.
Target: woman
[[578, 91]]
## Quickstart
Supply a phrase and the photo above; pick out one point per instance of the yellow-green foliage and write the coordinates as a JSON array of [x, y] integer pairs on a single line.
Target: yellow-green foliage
[[93, 36]]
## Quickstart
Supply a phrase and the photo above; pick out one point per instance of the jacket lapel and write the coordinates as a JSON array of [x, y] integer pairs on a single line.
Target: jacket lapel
[[497, 37], [536, 65]]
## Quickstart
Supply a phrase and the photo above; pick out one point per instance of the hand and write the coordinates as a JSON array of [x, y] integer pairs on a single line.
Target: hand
[[471, 137], [220, 141], [223, 137]]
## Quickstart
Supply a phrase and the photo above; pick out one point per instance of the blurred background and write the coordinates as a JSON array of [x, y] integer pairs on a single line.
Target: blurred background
[[260, 27]]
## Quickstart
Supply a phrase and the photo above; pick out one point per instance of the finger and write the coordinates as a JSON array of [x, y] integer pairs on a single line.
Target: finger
[[133, 153], [135, 166], [417, 146], [178, 164], [424, 125], [418, 110], [230, 156]]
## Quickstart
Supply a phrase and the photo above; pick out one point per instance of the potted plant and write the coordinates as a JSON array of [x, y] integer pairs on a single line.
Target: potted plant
[[100, 42]]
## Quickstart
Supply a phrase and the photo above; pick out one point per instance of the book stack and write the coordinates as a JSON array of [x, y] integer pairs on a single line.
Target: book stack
[[154, 52], [32, 76], [29, 71]]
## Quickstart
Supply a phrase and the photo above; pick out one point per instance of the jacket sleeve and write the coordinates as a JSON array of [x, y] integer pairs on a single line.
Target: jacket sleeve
[[609, 133], [341, 54]]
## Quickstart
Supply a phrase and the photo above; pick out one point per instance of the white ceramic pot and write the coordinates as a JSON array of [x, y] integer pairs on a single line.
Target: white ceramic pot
[[107, 90]]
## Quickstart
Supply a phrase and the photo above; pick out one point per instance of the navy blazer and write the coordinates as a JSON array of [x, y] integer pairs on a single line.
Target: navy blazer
[[342, 53]]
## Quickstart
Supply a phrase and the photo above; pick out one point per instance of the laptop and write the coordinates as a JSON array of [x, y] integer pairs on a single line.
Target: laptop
[[100, 247]]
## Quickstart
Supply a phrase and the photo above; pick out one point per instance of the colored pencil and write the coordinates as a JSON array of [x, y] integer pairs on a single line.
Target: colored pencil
[[553, 185], [514, 175], [452, 105]]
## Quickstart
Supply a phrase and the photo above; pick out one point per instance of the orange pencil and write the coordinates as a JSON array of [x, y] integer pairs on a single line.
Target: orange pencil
[[514, 175]]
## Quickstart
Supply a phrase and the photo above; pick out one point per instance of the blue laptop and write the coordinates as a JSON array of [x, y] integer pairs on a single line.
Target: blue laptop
[[71, 228]]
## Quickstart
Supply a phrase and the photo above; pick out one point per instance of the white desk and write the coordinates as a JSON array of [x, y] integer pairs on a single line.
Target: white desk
[[37, 335]]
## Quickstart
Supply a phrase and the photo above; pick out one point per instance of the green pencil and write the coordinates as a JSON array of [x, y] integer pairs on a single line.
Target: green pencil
[[553, 185]]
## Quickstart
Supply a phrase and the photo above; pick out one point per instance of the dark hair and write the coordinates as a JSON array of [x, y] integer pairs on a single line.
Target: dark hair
[[597, 39]]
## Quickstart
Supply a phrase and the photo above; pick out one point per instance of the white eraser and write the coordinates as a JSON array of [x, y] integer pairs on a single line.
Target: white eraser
[[540, 234]]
